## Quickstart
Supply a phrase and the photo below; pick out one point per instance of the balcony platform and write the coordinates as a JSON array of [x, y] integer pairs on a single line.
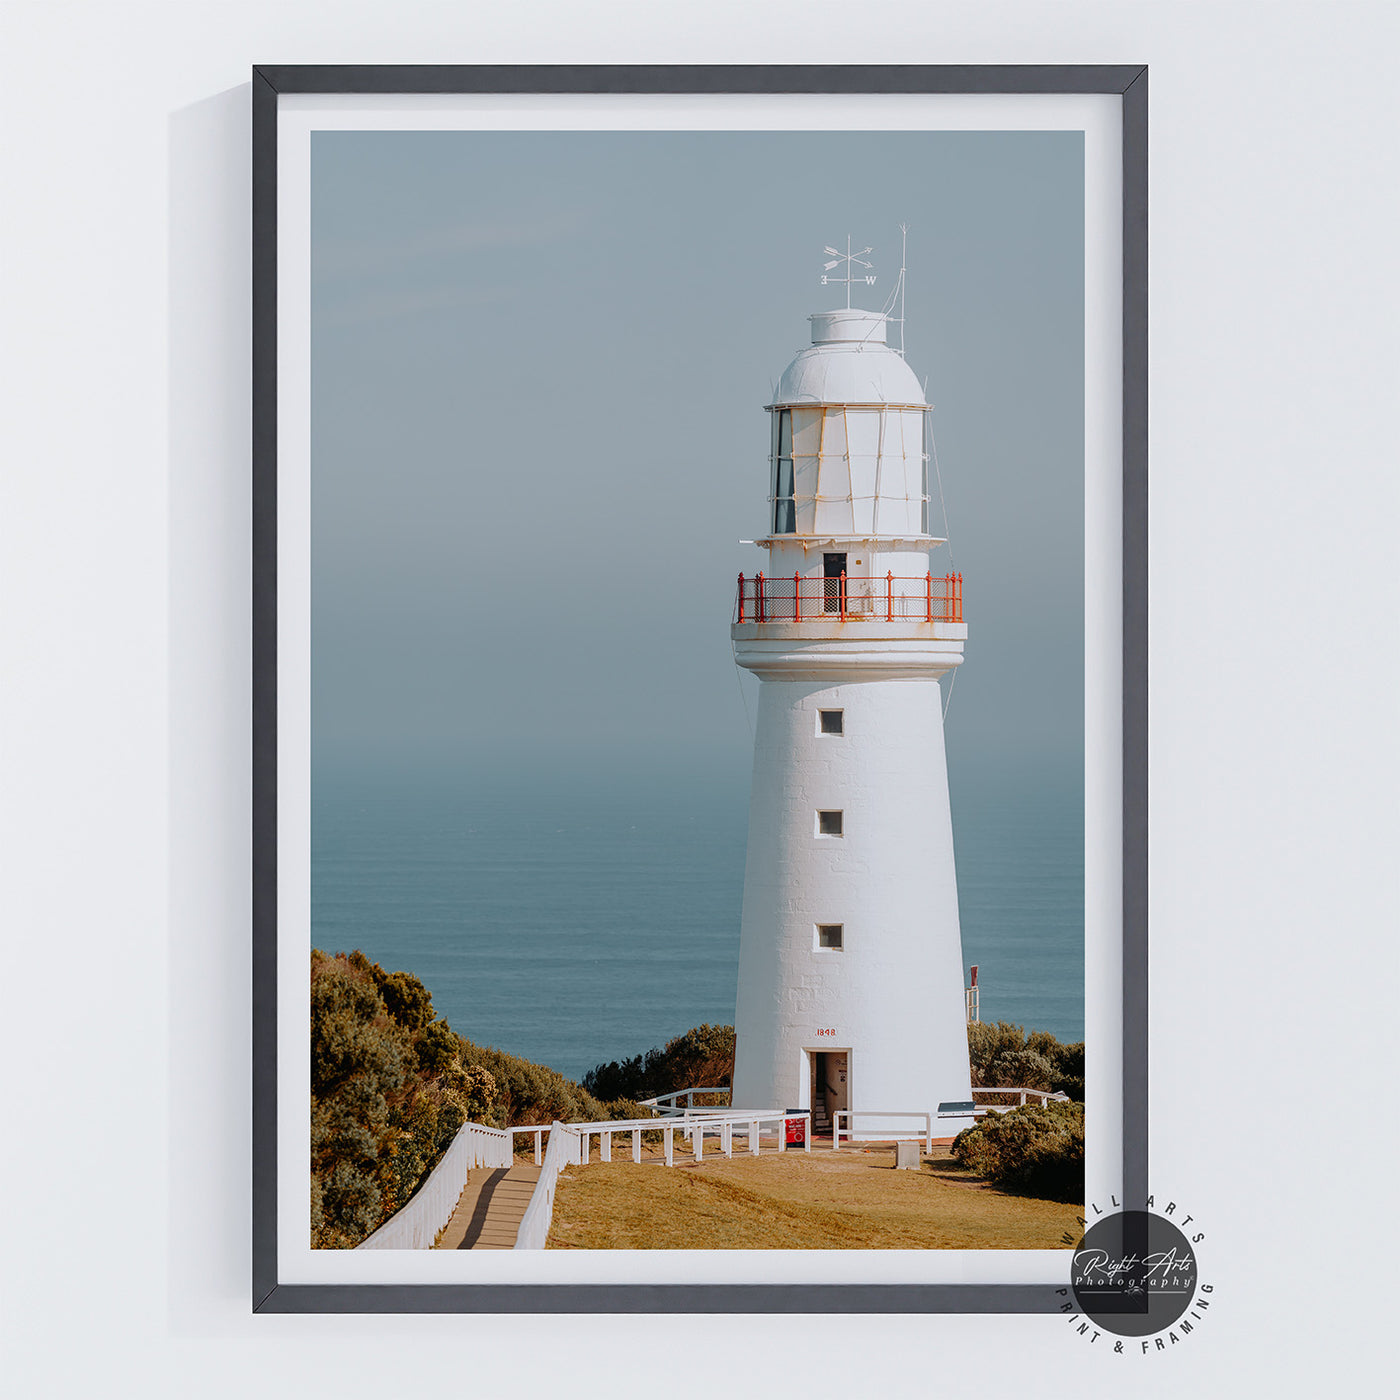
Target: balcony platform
[[854, 628], [833, 651]]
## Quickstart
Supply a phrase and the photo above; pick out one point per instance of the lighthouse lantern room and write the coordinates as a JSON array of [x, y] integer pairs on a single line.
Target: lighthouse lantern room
[[850, 991]]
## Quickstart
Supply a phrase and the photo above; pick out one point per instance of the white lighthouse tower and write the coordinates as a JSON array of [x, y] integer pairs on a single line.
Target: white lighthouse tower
[[850, 960]]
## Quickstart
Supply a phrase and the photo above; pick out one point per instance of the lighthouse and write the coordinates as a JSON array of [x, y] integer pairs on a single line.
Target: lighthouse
[[850, 992]]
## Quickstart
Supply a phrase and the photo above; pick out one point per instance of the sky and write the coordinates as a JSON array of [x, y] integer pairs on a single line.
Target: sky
[[539, 365]]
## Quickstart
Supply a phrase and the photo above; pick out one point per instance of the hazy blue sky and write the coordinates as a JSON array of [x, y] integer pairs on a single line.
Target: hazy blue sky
[[539, 365]]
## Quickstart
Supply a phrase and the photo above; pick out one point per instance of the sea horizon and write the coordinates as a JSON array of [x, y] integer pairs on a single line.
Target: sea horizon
[[574, 917]]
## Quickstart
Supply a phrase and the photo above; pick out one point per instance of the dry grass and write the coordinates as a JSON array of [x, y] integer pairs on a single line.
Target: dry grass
[[852, 1199]]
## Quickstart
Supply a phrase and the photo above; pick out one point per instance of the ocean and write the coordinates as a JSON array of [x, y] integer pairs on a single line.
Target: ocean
[[574, 919]]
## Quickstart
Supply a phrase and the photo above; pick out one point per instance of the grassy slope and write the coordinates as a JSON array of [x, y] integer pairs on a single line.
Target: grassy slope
[[847, 1200]]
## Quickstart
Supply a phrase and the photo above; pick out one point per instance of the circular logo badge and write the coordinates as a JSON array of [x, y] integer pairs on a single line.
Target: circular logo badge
[[1134, 1273]]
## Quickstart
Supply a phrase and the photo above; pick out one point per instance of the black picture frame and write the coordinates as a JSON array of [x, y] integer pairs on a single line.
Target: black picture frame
[[269, 84]]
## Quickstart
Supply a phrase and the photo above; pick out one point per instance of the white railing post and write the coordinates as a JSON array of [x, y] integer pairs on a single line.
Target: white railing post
[[928, 1134], [697, 1141], [836, 1130], [807, 1132], [670, 1133], [538, 1135], [636, 1144], [416, 1224], [605, 1145], [726, 1138], [753, 1137], [533, 1231], [782, 1134]]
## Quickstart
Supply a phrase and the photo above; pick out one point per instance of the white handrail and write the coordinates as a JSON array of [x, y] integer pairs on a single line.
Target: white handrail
[[416, 1224], [752, 1120], [1043, 1095], [539, 1129], [563, 1151], [737, 1115], [851, 1114], [666, 1103]]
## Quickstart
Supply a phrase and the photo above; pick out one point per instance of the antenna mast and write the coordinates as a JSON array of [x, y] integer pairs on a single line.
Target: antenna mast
[[903, 249]]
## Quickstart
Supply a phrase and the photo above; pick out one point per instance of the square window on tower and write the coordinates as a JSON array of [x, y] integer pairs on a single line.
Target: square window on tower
[[831, 721], [829, 824], [831, 937]]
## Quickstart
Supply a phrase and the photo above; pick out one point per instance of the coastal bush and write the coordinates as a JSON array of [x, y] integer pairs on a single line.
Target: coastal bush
[[526, 1092], [703, 1056], [437, 1047], [1001, 1053], [350, 1207], [623, 1109], [621, 1077], [1023, 1068], [1067, 1060], [390, 1087], [1037, 1150], [407, 1000]]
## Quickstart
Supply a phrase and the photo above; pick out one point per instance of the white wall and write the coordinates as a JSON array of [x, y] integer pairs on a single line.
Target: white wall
[[125, 718], [892, 997]]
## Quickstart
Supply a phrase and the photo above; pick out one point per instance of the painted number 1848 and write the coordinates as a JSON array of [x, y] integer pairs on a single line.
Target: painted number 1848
[[832, 1031]]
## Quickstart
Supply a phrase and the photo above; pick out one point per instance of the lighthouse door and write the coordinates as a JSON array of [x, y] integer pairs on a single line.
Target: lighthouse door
[[833, 569], [830, 1094], [837, 1099]]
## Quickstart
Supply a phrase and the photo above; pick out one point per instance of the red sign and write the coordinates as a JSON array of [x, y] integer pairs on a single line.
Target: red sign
[[796, 1129]]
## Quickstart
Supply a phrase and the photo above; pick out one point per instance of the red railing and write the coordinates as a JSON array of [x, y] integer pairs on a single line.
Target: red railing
[[849, 599]]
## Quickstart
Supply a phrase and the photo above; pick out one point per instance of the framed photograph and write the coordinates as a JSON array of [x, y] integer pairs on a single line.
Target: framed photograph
[[700, 664]]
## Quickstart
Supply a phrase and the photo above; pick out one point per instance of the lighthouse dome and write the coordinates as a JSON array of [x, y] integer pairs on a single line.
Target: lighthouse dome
[[848, 435], [848, 362]]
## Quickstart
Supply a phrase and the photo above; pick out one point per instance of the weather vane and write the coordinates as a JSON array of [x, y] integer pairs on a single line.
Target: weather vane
[[849, 258]]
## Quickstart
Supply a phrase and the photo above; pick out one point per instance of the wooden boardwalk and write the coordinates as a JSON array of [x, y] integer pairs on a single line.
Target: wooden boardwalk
[[490, 1208]]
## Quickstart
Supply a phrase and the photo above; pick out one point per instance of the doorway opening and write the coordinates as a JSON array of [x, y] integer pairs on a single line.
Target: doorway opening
[[829, 1082], [834, 583]]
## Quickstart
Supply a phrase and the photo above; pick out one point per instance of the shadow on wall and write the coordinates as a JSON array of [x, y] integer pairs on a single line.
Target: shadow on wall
[[210, 527]]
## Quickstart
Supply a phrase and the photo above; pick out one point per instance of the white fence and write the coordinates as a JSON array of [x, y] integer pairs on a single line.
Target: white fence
[[1040, 1096], [973, 1111], [723, 1123], [416, 1225], [539, 1214], [851, 1114], [539, 1129], [569, 1146], [669, 1105]]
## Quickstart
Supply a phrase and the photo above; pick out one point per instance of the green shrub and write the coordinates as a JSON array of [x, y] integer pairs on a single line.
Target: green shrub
[[703, 1056], [627, 1108], [1023, 1068], [986, 1040], [437, 1047], [350, 1207], [391, 1086], [389, 1090], [530, 1093], [345, 1041], [1037, 1150], [472, 1088], [1000, 1053], [407, 1000]]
